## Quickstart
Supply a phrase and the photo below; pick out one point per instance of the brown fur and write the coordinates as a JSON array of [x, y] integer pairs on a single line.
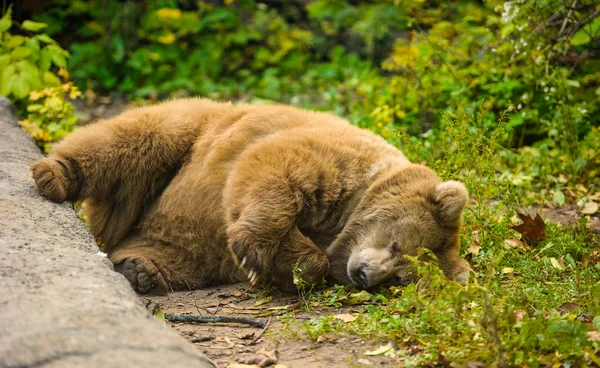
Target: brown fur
[[173, 186]]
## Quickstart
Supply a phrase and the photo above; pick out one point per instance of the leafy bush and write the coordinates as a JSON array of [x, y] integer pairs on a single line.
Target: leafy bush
[[30, 77]]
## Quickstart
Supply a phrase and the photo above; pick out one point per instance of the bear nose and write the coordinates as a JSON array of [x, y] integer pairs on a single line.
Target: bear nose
[[359, 277]]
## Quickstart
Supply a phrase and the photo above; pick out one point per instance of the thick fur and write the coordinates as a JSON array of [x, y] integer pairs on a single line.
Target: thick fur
[[188, 191]]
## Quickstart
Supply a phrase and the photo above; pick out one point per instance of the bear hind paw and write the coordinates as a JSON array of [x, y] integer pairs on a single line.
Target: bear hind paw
[[143, 275]]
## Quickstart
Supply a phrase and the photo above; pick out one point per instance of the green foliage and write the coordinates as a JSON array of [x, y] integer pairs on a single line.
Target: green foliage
[[26, 61], [49, 115], [31, 69]]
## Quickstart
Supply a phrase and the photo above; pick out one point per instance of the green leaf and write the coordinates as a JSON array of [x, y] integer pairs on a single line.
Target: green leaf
[[45, 59], [53, 127], [6, 20], [20, 52], [4, 61], [20, 88], [587, 33], [30, 73], [45, 38], [58, 55], [559, 197], [14, 41], [51, 79], [7, 80], [33, 26]]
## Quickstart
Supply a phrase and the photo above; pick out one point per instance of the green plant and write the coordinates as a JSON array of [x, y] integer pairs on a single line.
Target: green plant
[[32, 67], [27, 61]]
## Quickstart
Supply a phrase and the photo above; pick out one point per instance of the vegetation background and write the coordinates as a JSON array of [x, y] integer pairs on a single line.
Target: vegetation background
[[502, 95]]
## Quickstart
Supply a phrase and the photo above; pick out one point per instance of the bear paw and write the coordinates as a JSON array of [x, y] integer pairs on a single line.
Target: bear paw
[[49, 176], [250, 260], [144, 276]]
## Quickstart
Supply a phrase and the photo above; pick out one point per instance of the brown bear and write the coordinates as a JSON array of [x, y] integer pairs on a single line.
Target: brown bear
[[191, 193]]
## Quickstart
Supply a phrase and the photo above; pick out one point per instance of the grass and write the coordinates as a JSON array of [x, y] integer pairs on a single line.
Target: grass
[[534, 306]]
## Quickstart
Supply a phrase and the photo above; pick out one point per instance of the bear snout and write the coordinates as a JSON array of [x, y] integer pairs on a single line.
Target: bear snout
[[359, 277]]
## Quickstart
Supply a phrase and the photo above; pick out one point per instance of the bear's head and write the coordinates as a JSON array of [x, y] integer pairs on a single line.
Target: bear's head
[[400, 213]]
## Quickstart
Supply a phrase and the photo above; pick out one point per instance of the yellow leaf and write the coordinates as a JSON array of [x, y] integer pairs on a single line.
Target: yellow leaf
[[555, 263], [590, 208], [507, 270], [262, 301], [167, 39], [345, 317], [168, 13], [381, 350]]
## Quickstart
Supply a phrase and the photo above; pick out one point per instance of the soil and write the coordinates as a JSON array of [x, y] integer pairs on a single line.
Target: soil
[[238, 343]]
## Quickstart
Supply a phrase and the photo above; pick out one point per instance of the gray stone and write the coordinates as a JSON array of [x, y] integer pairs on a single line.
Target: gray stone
[[61, 303]]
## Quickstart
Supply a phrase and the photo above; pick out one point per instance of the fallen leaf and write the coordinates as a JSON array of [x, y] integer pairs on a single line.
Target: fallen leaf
[[262, 301], [594, 335], [345, 317], [475, 247], [507, 270], [364, 361], [555, 263], [262, 358], [515, 243], [359, 297], [381, 350], [247, 336], [590, 208], [158, 313], [519, 314], [559, 197], [532, 230], [568, 307]]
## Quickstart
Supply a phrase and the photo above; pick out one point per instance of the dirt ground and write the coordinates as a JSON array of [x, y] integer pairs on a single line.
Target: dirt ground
[[230, 343]]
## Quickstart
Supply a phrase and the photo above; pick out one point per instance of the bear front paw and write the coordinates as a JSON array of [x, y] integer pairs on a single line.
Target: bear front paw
[[250, 259], [50, 179]]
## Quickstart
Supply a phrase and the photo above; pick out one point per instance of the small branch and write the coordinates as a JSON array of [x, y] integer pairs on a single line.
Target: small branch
[[204, 338], [175, 317], [567, 19], [255, 340], [584, 22]]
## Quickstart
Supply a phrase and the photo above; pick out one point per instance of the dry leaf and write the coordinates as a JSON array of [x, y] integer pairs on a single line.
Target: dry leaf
[[262, 301], [568, 307], [345, 317], [519, 314], [555, 263], [590, 208], [475, 247], [507, 270], [532, 230], [364, 361], [594, 335], [262, 358], [515, 243]]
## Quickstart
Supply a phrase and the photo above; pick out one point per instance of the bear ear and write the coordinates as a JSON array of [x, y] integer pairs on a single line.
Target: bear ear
[[451, 198]]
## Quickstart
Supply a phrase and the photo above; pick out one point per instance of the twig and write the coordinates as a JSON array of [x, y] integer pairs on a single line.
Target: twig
[[583, 23], [567, 19], [175, 317], [204, 338], [255, 340]]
